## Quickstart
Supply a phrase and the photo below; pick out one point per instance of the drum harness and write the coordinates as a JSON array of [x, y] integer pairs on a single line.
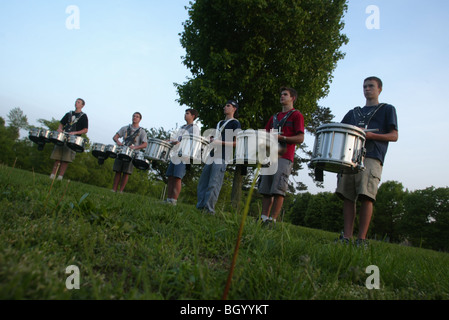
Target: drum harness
[[130, 139], [363, 120], [278, 125], [69, 127], [219, 130]]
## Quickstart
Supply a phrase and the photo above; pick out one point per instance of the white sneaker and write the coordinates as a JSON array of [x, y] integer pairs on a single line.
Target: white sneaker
[[59, 178], [52, 176]]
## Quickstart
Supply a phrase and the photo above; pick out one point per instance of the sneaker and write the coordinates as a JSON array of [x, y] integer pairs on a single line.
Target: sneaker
[[361, 243], [59, 178], [52, 176], [269, 223], [342, 239]]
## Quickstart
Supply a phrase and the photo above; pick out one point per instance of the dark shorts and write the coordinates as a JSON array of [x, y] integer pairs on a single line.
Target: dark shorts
[[123, 166]]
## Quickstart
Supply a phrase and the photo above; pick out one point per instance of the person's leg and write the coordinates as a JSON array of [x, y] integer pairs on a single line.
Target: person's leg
[[214, 187], [170, 187], [349, 213], [267, 203], [366, 212], [63, 168], [116, 181], [202, 186], [277, 206], [56, 166], [124, 181], [176, 187]]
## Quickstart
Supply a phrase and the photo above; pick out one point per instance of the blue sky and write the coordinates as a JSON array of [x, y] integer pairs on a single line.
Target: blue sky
[[126, 55]]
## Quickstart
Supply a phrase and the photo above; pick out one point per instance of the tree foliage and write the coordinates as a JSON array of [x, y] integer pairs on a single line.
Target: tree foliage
[[248, 49]]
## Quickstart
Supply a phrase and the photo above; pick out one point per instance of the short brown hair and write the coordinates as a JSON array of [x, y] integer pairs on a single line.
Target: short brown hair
[[379, 82], [292, 92], [140, 115], [193, 112]]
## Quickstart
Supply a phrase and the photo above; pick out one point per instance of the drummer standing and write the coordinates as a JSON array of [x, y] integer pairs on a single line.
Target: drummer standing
[[135, 138], [175, 172], [211, 179], [363, 185], [290, 123], [73, 123]]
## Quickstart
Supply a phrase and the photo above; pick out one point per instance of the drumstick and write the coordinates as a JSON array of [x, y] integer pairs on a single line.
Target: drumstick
[[370, 130]]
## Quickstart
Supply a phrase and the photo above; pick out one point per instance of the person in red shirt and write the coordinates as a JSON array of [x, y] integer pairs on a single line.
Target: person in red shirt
[[290, 124]]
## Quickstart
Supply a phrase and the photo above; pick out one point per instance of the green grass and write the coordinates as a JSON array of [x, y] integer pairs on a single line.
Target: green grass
[[130, 246]]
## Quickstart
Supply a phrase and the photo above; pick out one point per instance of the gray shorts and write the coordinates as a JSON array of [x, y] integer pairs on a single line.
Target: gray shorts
[[276, 184], [364, 183], [123, 166], [63, 153]]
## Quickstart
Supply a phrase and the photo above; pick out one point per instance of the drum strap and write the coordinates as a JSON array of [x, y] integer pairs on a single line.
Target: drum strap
[[277, 125], [220, 129], [363, 120], [129, 140], [72, 122], [185, 127]]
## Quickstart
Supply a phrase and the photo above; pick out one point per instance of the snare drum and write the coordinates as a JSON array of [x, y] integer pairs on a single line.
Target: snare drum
[[112, 150], [157, 150], [45, 135], [58, 138], [140, 162], [99, 151], [126, 154], [252, 148], [190, 149], [339, 148], [76, 143]]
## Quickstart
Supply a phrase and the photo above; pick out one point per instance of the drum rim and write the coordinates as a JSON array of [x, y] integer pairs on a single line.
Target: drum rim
[[341, 126], [159, 141]]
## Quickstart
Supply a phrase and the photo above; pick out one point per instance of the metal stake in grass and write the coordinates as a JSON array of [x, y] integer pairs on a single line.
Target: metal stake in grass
[[239, 237]]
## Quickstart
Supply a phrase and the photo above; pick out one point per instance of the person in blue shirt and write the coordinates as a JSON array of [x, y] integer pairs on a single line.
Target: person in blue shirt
[[381, 125]]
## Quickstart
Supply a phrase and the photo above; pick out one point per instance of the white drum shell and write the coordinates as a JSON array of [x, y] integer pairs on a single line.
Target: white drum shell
[[252, 148], [190, 149], [339, 148], [157, 150]]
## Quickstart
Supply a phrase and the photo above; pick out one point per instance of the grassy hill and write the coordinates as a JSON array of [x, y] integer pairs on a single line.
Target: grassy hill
[[128, 246]]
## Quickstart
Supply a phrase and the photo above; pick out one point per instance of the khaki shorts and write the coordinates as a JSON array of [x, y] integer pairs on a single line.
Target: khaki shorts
[[63, 153], [364, 183], [123, 166], [276, 184]]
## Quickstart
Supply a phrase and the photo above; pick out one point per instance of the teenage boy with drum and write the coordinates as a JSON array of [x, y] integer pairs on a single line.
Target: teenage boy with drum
[[290, 124], [73, 123], [211, 179], [381, 125], [135, 138], [175, 172]]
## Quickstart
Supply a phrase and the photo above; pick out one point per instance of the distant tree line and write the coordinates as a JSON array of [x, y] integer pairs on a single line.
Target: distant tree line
[[419, 218]]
